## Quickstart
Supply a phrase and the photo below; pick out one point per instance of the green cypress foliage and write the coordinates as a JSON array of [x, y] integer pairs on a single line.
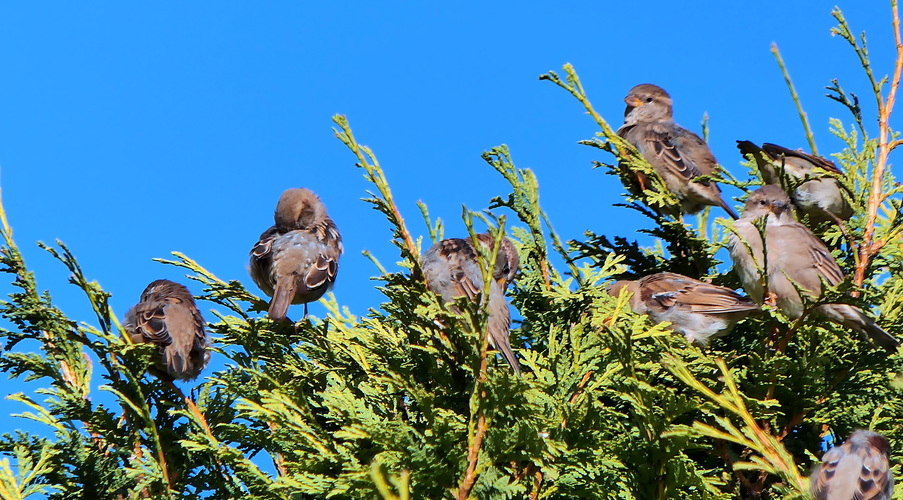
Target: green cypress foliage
[[408, 402]]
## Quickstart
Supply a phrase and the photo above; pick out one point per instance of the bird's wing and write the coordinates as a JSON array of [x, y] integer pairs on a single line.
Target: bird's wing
[[461, 260], [862, 471], [763, 160], [197, 323], [749, 148], [184, 319], [875, 475], [776, 152], [680, 151], [499, 327], [824, 262], [798, 252], [150, 322], [671, 289], [325, 269], [265, 244]]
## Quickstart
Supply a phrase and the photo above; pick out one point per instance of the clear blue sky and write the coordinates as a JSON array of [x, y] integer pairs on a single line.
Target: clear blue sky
[[129, 131]]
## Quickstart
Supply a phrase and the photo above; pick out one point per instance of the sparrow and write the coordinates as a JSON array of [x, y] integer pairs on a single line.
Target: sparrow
[[820, 196], [297, 259], [676, 154], [700, 311], [167, 316], [794, 255], [858, 469], [452, 270]]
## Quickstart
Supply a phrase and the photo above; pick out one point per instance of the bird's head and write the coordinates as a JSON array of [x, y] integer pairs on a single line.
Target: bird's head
[[647, 102], [506, 262], [298, 208], [161, 290], [768, 200]]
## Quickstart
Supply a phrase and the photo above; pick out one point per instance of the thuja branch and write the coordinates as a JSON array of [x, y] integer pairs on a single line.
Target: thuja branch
[[770, 456], [796, 98], [367, 160], [870, 247], [37, 318], [524, 201], [473, 454], [844, 31], [216, 290], [629, 160], [575, 88], [477, 429]]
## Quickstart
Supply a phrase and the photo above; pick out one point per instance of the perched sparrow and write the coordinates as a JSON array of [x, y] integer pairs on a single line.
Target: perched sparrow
[[820, 197], [793, 253], [452, 270], [297, 259], [699, 310], [858, 469], [677, 154], [168, 317]]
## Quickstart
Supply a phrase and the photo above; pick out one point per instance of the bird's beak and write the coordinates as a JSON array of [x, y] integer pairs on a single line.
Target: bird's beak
[[779, 206], [633, 101]]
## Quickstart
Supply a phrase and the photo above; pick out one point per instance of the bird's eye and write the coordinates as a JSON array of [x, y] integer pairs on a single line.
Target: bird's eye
[[648, 99], [762, 202]]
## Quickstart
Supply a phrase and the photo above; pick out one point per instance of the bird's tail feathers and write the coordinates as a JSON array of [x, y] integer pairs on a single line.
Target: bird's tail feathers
[[283, 295], [880, 336], [855, 319], [498, 337], [177, 364], [727, 208]]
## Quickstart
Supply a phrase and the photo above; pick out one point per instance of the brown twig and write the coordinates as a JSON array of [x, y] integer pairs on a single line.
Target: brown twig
[[537, 484], [577, 393], [794, 421], [161, 458], [70, 378], [580, 386], [139, 454], [870, 248], [280, 459], [531, 470], [190, 404], [725, 455], [473, 452], [475, 444]]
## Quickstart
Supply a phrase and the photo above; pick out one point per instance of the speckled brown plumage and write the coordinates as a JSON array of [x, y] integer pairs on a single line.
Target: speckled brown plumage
[[859, 469], [677, 154], [452, 270], [296, 260], [167, 316], [698, 310]]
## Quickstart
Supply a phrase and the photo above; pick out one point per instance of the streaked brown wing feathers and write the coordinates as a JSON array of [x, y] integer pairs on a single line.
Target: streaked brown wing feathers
[[824, 263], [665, 145], [671, 289], [776, 152], [873, 468], [873, 476], [265, 243], [322, 271], [456, 252], [151, 323]]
